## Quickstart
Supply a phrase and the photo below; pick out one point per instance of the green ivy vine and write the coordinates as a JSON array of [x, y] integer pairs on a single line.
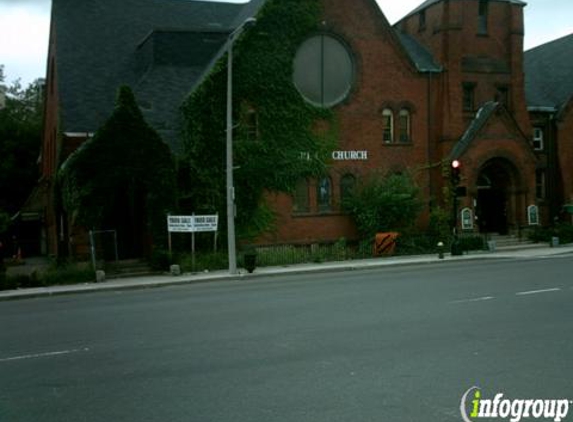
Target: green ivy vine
[[291, 141], [108, 180]]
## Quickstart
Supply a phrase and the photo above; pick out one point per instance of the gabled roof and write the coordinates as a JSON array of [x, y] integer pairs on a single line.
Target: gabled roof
[[481, 118], [429, 3], [549, 74], [158, 47], [420, 55]]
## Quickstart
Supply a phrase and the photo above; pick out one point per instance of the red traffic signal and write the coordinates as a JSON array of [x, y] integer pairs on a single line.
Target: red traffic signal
[[455, 173]]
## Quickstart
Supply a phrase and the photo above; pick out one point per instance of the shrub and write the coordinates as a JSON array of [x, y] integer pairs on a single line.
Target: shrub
[[70, 273], [564, 231], [204, 261], [160, 260], [472, 243], [384, 204]]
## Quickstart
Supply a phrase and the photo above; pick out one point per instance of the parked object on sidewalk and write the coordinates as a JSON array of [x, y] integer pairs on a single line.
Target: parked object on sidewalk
[[250, 259], [441, 250], [2, 266], [175, 270], [385, 243]]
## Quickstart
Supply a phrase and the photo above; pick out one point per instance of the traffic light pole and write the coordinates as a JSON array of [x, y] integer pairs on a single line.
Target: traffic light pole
[[455, 181]]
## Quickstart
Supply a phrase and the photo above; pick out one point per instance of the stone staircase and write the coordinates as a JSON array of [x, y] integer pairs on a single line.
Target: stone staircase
[[127, 268], [510, 242]]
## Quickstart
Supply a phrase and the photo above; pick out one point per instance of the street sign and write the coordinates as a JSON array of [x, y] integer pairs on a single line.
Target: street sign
[[192, 223], [206, 223]]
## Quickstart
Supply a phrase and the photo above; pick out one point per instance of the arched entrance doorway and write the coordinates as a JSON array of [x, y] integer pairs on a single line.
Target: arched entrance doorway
[[495, 202]]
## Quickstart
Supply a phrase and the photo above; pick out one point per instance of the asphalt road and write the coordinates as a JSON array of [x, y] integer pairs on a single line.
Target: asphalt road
[[396, 344]]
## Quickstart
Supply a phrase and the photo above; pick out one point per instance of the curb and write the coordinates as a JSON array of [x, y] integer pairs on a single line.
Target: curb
[[140, 283]]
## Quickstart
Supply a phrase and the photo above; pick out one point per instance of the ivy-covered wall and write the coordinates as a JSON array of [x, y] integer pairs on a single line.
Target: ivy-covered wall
[[277, 135], [121, 179]]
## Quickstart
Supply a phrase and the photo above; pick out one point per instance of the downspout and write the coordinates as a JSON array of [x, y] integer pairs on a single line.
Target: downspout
[[430, 140]]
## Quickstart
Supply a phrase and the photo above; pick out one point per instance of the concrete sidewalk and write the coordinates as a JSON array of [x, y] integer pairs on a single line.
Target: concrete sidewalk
[[168, 280]]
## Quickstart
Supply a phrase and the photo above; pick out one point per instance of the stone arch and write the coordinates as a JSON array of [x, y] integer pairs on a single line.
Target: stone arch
[[498, 194]]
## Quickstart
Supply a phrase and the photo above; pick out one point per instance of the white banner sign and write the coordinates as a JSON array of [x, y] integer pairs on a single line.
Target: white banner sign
[[192, 223]]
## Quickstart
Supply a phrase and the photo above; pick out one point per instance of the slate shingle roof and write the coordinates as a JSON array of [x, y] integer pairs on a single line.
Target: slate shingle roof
[[158, 47], [549, 73]]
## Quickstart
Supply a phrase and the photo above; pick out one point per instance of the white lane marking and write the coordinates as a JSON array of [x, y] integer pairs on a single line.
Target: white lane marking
[[534, 292], [477, 299], [45, 355]]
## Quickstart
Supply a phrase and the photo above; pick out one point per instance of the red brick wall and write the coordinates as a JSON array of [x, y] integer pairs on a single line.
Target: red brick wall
[[385, 77], [451, 34], [49, 161], [565, 150]]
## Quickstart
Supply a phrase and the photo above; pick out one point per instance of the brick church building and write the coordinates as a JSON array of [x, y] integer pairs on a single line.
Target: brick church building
[[449, 81]]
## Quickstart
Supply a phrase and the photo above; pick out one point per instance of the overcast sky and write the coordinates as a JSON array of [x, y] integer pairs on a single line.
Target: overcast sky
[[24, 28]]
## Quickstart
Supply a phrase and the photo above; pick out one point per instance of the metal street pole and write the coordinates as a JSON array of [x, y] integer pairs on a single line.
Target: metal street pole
[[230, 185]]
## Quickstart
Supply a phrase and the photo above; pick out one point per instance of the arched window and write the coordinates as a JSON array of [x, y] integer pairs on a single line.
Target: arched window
[[482, 17], [347, 186], [252, 125], [388, 121], [405, 125], [324, 194], [301, 203]]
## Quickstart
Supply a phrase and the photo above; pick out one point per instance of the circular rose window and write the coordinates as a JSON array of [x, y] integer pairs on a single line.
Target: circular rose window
[[323, 70]]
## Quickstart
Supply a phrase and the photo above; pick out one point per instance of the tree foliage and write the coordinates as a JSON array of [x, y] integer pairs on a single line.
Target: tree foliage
[[20, 140], [382, 204], [124, 175], [287, 145]]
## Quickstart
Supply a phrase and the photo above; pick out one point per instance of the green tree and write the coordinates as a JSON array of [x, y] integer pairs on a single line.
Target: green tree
[[384, 204], [20, 140], [123, 179]]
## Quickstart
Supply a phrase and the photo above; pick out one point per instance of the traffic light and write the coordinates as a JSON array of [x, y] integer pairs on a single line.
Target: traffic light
[[456, 172]]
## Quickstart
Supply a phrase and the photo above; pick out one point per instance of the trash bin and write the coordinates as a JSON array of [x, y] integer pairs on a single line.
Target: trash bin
[[250, 260], [456, 247]]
